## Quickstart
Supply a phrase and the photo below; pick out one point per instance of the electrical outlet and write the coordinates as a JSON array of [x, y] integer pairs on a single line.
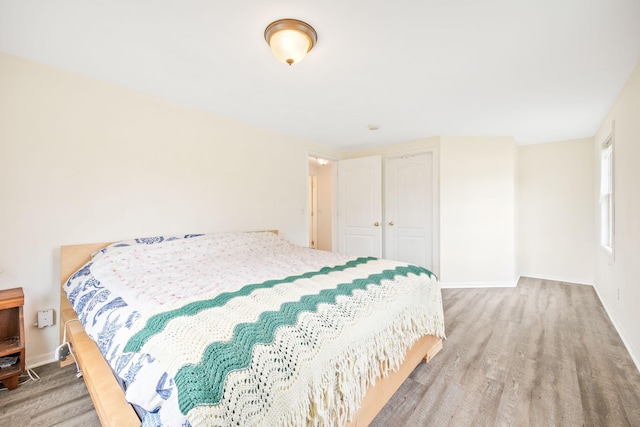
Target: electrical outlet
[[618, 294], [45, 318], [62, 352]]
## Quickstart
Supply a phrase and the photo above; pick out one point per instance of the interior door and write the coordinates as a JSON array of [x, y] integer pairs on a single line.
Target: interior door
[[313, 211], [409, 205], [360, 206]]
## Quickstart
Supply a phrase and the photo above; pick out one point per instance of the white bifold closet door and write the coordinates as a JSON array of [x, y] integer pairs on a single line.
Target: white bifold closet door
[[360, 206], [409, 209]]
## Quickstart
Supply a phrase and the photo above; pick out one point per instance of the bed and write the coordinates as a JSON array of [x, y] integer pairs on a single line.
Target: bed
[[267, 304]]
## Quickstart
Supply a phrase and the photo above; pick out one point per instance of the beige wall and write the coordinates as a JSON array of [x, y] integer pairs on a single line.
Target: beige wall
[[83, 161], [617, 277], [555, 215], [477, 211]]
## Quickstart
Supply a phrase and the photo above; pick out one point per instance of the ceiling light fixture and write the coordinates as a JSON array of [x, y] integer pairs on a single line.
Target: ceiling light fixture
[[322, 162], [290, 39]]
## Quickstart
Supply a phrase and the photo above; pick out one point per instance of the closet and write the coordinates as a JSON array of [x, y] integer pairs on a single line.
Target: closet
[[387, 207]]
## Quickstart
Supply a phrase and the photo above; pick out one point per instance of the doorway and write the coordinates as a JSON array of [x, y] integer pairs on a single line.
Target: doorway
[[321, 181]]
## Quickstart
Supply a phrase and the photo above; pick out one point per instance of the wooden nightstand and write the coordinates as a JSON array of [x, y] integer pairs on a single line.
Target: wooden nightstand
[[12, 335]]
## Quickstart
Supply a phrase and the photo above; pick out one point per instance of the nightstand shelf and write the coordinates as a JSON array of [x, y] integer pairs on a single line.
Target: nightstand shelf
[[12, 335], [9, 345]]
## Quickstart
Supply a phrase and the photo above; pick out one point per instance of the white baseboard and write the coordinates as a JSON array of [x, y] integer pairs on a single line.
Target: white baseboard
[[616, 325], [40, 359], [558, 278], [478, 284]]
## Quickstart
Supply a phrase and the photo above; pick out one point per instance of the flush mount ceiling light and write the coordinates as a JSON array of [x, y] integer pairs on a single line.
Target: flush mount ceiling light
[[322, 162], [290, 39]]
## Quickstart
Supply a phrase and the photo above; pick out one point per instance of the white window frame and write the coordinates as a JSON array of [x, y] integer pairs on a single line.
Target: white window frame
[[607, 205]]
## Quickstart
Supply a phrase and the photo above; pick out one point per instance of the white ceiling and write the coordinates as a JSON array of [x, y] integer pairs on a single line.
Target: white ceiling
[[538, 70]]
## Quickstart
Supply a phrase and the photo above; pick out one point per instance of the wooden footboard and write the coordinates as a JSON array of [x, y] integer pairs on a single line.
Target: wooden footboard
[[108, 398]]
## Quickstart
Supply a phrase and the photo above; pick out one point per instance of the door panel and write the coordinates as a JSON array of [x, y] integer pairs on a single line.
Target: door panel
[[412, 250], [409, 209], [360, 206]]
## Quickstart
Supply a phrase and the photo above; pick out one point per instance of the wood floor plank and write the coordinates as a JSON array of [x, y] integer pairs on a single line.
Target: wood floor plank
[[514, 407], [484, 411], [435, 408], [88, 418], [500, 349], [67, 413]]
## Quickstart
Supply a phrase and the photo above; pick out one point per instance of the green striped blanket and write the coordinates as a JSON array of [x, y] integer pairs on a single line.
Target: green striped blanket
[[301, 350]]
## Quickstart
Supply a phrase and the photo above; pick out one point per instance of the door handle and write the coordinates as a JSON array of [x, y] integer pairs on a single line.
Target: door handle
[[376, 224], [391, 223]]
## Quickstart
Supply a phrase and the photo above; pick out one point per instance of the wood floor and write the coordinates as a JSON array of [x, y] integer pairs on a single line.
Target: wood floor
[[57, 399], [541, 354]]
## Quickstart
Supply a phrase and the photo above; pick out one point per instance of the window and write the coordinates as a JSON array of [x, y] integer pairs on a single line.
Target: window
[[606, 195]]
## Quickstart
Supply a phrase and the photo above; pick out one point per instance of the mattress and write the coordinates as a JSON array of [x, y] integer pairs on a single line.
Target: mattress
[[248, 328]]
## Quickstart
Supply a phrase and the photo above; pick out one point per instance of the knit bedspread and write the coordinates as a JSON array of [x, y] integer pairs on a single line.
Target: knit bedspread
[[294, 349]]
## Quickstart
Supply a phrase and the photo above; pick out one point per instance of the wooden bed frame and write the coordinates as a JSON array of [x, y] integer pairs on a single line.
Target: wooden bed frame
[[108, 397]]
